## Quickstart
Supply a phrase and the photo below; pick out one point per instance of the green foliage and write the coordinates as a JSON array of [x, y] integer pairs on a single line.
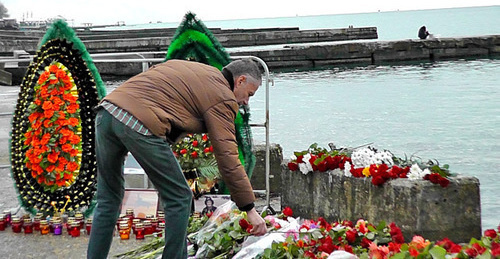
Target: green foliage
[[193, 40]]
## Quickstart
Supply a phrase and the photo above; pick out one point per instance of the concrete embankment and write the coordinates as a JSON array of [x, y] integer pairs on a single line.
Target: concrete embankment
[[358, 53], [159, 39]]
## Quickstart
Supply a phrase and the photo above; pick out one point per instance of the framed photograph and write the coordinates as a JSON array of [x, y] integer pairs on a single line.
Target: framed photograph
[[209, 203], [143, 201]]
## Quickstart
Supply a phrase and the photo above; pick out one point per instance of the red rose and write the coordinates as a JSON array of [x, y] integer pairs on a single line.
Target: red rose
[[378, 180], [206, 150], [211, 148], [394, 247], [204, 137], [287, 211], [471, 252], [443, 182], [322, 167], [299, 159], [293, 166], [495, 249], [348, 249], [351, 235], [491, 233], [183, 151], [309, 254], [327, 245], [413, 252], [365, 242], [194, 154], [195, 143], [244, 224]]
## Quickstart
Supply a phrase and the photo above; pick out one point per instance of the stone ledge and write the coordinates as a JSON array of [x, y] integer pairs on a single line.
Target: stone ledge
[[418, 207]]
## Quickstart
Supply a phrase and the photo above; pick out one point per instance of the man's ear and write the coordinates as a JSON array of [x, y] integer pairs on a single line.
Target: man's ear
[[241, 79]]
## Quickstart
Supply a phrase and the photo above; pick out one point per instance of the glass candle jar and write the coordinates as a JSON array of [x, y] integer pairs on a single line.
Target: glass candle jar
[[160, 229], [28, 226], [134, 223], [161, 216], [44, 227], [154, 224], [88, 226], [67, 225], [124, 231], [17, 225], [57, 227], [36, 223], [148, 229], [8, 216], [75, 229], [120, 218], [139, 230], [79, 218], [3, 222], [130, 215]]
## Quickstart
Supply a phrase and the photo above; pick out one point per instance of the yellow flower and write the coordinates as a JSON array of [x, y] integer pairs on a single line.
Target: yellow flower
[[366, 172]]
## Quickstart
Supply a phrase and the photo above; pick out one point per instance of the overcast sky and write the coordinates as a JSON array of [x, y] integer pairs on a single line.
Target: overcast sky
[[101, 12]]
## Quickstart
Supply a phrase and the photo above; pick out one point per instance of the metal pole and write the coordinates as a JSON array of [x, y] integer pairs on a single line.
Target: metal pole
[[266, 124]]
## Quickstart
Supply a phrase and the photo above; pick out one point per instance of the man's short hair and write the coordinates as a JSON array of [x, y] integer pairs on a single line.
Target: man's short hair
[[246, 67]]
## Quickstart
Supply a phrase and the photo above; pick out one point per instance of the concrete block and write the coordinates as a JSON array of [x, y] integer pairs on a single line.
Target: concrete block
[[258, 179], [417, 206], [5, 77]]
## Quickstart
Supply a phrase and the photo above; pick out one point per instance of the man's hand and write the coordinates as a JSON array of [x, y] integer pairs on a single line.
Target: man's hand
[[259, 224]]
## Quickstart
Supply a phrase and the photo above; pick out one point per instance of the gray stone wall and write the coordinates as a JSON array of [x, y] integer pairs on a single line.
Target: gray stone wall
[[418, 207]]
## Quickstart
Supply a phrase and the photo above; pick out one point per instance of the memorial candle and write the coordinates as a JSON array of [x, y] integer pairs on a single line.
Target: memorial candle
[[124, 231], [28, 226], [3, 222], [139, 229], [16, 224], [88, 226], [57, 227], [44, 227], [75, 229]]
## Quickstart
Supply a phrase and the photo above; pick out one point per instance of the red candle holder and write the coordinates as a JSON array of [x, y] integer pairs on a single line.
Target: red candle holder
[[75, 229], [8, 216], [2, 224], [36, 223], [160, 229], [88, 226], [17, 225], [28, 226], [139, 229], [148, 228]]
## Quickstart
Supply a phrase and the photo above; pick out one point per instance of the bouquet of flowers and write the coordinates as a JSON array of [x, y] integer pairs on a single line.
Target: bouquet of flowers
[[196, 157], [381, 166]]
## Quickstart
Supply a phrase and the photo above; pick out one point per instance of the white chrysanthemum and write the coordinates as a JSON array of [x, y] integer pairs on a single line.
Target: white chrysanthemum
[[362, 157], [347, 169], [415, 172], [305, 167], [384, 157]]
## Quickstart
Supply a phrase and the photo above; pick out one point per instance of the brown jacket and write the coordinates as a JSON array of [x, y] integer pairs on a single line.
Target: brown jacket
[[179, 97]]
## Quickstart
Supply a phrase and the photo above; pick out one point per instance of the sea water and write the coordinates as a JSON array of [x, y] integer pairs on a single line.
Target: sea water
[[447, 110]]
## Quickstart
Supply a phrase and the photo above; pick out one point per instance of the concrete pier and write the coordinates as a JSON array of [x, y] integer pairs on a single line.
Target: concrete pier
[[418, 207], [159, 39]]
